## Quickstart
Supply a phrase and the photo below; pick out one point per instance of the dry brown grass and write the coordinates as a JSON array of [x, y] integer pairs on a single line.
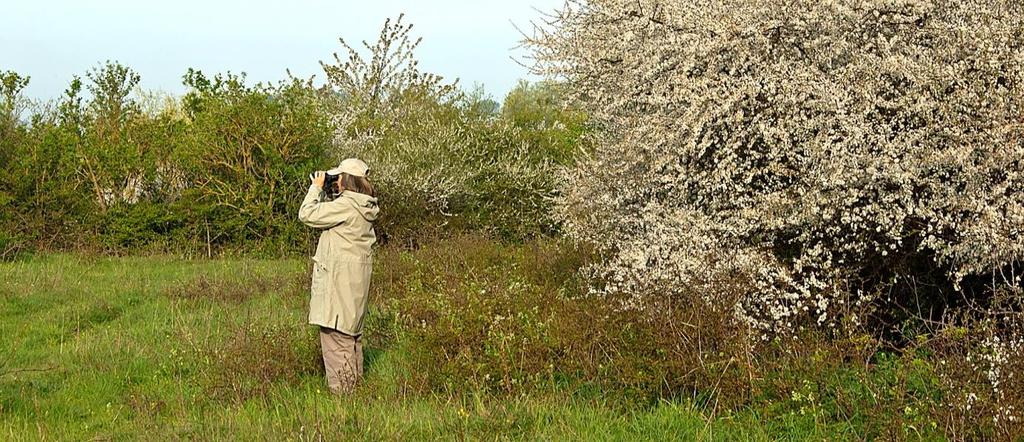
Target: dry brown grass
[[237, 289], [256, 358]]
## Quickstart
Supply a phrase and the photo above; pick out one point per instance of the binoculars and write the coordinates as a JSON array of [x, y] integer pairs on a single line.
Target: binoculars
[[330, 182]]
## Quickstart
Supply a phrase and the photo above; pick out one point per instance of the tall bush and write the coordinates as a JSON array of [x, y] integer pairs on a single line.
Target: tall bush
[[11, 133], [45, 201], [854, 160], [246, 158]]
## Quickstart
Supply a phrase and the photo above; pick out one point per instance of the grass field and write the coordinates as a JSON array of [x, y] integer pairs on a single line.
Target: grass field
[[161, 348]]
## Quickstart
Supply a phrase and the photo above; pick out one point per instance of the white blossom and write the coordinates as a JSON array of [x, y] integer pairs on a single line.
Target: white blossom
[[794, 145]]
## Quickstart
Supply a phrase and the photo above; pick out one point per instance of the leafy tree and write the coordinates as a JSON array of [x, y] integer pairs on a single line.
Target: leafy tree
[[12, 102], [111, 104]]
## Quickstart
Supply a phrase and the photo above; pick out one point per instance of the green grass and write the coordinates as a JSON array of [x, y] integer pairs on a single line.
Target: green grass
[[127, 348]]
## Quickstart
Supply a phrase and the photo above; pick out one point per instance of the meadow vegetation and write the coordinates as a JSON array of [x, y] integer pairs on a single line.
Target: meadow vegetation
[[752, 221], [163, 348]]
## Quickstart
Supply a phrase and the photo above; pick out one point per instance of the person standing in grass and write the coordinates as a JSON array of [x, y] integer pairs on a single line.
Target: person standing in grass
[[342, 266]]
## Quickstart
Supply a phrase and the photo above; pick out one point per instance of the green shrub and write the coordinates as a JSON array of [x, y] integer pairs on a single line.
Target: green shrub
[[247, 153], [40, 201], [140, 226]]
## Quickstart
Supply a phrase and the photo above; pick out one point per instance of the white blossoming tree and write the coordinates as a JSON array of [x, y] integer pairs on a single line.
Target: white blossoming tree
[[847, 159], [444, 159]]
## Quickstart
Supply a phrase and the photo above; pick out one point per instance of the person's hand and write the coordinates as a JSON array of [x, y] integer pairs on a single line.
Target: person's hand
[[318, 179]]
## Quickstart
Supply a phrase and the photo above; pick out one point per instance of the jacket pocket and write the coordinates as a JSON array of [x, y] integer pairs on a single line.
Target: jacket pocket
[[321, 280]]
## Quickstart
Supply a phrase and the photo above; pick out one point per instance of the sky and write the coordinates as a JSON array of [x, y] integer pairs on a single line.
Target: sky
[[53, 40]]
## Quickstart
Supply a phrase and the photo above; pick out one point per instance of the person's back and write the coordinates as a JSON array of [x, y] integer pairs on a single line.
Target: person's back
[[342, 267], [354, 237]]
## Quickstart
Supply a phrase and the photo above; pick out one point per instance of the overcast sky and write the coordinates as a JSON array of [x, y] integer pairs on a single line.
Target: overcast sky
[[52, 40]]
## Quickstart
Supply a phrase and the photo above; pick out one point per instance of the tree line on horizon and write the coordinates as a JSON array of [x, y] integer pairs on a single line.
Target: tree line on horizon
[[110, 167]]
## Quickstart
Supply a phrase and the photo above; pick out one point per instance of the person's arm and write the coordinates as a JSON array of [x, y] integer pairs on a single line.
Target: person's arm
[[316, 213]]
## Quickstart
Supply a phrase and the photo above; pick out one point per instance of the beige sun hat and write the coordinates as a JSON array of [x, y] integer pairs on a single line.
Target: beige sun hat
[[351, 166]]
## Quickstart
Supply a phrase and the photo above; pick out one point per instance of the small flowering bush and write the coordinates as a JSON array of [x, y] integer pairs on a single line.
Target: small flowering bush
[[853, 160], [980, 365]]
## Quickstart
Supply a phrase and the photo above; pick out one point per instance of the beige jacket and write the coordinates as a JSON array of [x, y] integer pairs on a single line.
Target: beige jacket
[[343, 261]]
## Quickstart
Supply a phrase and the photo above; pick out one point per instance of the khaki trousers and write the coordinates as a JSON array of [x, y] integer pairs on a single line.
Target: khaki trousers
[[343, 359]]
